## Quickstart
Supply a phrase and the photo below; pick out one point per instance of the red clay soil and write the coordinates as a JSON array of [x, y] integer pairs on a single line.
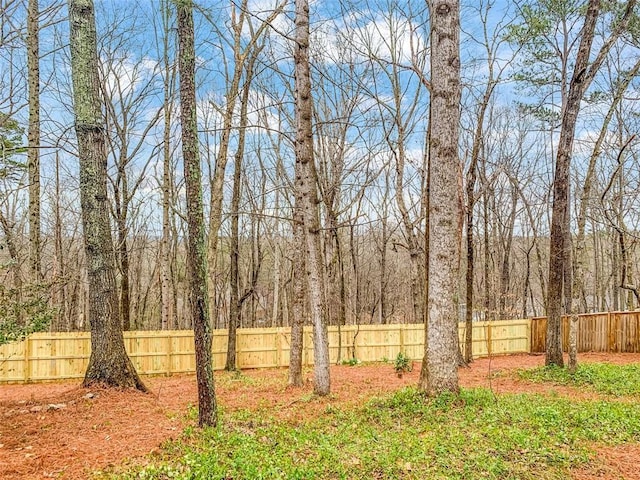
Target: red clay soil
[[63, 431]]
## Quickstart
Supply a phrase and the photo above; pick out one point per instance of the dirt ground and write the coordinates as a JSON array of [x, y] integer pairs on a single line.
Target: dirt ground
[[63, 431]]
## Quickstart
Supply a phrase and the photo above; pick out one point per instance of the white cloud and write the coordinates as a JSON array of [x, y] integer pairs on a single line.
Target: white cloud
[[263, 9], [125, 74]]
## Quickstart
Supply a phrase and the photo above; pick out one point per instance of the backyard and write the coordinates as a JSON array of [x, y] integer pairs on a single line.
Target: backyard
[[512, 420]]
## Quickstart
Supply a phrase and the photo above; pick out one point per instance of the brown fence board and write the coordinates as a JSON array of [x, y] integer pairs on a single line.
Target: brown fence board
[[617, 332]]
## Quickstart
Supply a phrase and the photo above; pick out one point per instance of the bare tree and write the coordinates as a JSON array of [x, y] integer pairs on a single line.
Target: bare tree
[[588, 184], [129, 91], [440, 364], [109, 363], [582, 77], [241, 22], [236, 299], [306, 183], [33, 152], [490, 45], [196, 248], [168, 72]]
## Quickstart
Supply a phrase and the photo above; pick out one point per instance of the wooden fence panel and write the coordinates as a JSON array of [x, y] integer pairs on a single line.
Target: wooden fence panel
[[14, 361], [57, 355], [498, 338], [413, 341], [182, 354], [597, 332], [377, 342], [538, 334], [511, 337], [53, 356], [627, 334]]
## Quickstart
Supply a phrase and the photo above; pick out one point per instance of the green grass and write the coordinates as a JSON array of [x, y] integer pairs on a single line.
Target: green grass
[[471, 436], [619, 380]]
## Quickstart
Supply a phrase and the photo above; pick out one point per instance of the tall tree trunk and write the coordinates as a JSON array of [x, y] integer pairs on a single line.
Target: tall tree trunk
[[581, 257], [505, 273], [416, 260], [582, 77], [59, 294], [240, 55], [196, 245], [122, 246], [560, 213], [439, 367], [493, 78], [235, 302], [276, 313], [33, 152], [306, 183], [299, 291], [471, 185], [109, 363], [489, 297], [168, 316], [217, 180], [234, 278]]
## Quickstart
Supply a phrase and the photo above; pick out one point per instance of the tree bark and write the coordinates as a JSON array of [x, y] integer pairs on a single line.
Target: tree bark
[[505, 273], [440, 363], [299, 290], [122, 247], [306, 183], [109, 363], [234, 293], [573, 343], [33, 138], [196, 245], [12, 247], [236, 301], [582, 77], [169, 318], [560, 212], [471, 185]]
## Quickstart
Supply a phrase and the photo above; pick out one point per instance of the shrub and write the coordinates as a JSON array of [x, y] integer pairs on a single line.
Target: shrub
[[23, 311], [402, 363]]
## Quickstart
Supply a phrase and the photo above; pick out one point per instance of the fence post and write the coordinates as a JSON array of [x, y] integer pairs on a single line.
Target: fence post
[[27, 355], [401, 325], [169, 352], [610, 336], [489, 338], [279, 347]]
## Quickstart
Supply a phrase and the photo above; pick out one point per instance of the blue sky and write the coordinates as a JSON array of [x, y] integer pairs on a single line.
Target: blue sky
[[353, 36]]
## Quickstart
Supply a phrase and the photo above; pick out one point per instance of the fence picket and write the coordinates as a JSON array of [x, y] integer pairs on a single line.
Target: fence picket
[[55, 356], [612, 332]]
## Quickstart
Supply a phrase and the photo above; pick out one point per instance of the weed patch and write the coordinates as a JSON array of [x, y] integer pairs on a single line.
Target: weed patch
[[405, 435], [609, 379]]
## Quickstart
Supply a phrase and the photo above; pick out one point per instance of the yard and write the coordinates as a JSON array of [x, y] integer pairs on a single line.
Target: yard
[[506, 424]]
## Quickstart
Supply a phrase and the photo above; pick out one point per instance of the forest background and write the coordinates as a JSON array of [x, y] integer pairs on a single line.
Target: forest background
[[371, 101]]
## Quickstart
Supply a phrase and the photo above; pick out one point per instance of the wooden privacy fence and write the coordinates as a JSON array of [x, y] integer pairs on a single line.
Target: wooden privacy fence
[[55, 356], [597, 332]]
